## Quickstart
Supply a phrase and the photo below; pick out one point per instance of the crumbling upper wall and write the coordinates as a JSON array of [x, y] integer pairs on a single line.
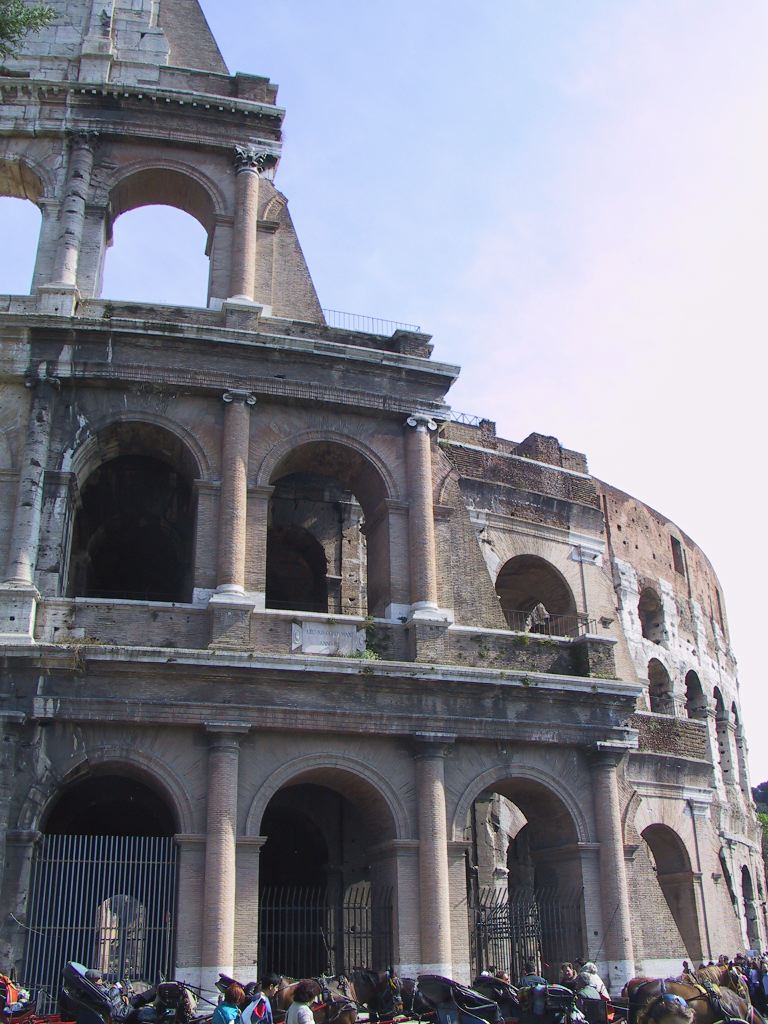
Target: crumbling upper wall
[[87, 35]]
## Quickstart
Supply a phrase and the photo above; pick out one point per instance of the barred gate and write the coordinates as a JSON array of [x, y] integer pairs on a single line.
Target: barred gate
[[303, 933], [507, 929], [104, 901]]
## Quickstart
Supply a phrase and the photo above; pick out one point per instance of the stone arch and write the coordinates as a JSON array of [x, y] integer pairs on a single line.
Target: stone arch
[[751, 914], [723, 730], [338, 488], [550, 786], [89, 454], [166, 183], [24, 179], [660, 690], [650, 610], [674, 875], [534, 595], [347, 775], [274, 208], [139, 763], [132, 535], [695, 701], [279, 457]]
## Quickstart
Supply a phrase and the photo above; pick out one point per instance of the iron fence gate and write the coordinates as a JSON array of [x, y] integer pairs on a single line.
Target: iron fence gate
[[303, 933], [104, 901], [509, 928]]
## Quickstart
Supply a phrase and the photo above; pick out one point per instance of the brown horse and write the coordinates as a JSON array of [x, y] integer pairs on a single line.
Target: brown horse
[[709, 1002], [328, 1006], [379, 991], [725, 977]]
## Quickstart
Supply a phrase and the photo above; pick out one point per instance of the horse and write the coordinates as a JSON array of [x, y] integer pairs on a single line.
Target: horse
[[334, 1007], [725, 977], [379, 991], [710, 1003]]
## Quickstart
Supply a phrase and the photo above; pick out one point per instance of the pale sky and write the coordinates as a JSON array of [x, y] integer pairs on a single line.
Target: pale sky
[[572, 197]]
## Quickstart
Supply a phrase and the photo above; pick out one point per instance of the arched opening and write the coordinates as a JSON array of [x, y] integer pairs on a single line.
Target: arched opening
[[523, 878], [324, 901], [660, 695], [161, 250], [651, 613], [535, 597], [157, 255], [695, 701], [723, 729], [750, 909], [666, 857], [328, 537], [742, 768], [133, 534], [103, 881], [20, 219]]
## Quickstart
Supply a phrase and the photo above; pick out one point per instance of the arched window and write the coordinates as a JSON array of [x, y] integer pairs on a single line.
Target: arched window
[[161, 230], [660, 689], [20, 192], [158, 255], [327, 539], [535, 597], [741, 751], [651, 614], [695, 701], [133, 533], [750, 909], [722, 725], [672, 867]]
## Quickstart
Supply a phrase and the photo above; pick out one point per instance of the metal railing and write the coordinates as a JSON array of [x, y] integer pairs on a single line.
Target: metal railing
[[366, 324], [509, 928], [466, 418], [305, 933], [549, 625], [104, 901]]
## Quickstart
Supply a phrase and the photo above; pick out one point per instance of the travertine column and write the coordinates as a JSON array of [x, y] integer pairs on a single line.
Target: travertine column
[[434, 885], [218, 941], [25, 535], [249, 162], [617, 925], [421, 523], [234, 492], [72, 216]]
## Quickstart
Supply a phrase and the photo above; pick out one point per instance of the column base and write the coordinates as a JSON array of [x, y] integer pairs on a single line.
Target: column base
[[617, 974], [426, 611], [242, 313], [230, 615], [58, 299], [18, 611], [208, 978]]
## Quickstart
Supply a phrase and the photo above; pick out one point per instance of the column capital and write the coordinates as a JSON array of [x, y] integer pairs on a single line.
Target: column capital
[[421, 422], [431, 744], [239, 395], [34, 381], [255, 159], [608, 755], [83, 138], [225, 735]]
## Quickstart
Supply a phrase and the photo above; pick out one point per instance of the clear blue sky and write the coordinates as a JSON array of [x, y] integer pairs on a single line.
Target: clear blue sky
[[573, 198]]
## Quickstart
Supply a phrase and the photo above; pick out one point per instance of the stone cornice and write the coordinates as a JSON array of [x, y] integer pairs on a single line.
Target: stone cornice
[[201, 102]]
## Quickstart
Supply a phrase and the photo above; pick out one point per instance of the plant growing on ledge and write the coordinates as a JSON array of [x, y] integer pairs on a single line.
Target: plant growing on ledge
[[17, 20]]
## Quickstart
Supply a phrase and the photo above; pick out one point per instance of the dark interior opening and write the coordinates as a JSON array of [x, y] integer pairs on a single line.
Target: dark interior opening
[[133, 535], [110, 805], [296, 570]]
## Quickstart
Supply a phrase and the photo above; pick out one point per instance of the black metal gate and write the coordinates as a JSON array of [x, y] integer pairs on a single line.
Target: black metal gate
[[509, 928], [104, 901], [303, 933]]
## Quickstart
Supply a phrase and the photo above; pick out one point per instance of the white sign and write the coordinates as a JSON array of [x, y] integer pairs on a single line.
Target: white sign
[[333, 638]]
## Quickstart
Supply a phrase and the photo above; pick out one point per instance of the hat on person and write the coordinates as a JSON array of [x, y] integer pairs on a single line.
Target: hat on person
[[92, 976]]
